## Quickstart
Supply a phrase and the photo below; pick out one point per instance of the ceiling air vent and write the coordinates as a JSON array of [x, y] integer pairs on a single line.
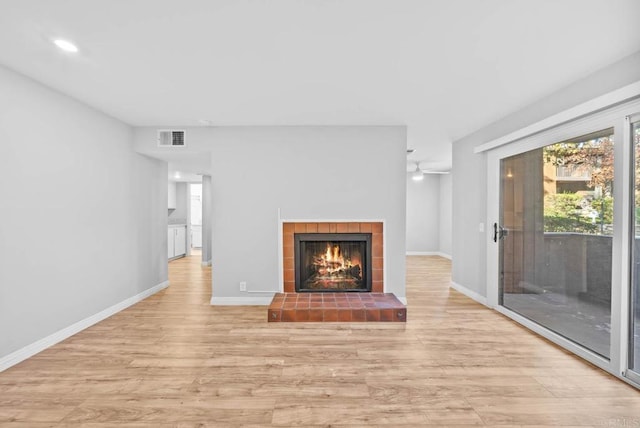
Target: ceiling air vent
[[170, 138]]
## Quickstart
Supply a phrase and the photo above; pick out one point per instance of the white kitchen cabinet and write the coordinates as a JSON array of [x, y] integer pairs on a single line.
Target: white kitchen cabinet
[[181, 241], [176, 241], [171, 242]]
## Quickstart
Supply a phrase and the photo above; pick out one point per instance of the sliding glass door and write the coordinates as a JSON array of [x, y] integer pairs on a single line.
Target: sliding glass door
[[634, 309], [555, 234], [563, 254]]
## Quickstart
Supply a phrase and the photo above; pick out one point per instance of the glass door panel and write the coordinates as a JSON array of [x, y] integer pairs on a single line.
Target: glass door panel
[[634, 346], [556, 215]]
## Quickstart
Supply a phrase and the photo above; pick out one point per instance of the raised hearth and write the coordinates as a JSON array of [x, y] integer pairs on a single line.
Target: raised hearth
[[336, 307], [339, 273]]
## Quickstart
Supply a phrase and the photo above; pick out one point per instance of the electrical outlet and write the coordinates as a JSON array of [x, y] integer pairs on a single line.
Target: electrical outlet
[[243, 286]]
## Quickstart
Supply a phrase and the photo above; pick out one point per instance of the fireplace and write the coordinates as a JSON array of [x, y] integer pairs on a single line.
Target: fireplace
[[290, 259], [327, 269], [332, 262]]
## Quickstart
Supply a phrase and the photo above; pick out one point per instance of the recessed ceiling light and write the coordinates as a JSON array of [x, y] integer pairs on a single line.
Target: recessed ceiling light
[[66, 45]]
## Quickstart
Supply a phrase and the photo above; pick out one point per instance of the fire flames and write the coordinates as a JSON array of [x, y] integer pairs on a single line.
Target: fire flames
[[335, 268], [333, 262]]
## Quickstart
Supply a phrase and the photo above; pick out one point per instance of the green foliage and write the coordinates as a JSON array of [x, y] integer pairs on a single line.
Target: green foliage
[[567, 224], [572, 212], [562, 205], [578, 212], [604, 208]]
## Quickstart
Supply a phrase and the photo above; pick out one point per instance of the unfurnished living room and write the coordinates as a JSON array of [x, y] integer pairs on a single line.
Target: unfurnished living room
[[319, 213]]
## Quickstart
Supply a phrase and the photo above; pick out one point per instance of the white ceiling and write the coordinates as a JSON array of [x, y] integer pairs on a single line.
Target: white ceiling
[[444, 68]]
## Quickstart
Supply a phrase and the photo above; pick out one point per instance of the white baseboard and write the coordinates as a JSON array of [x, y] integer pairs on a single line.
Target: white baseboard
[[242, 301], [403, 300], [428, 253], [469, 293], [30, 350], [207, 263]]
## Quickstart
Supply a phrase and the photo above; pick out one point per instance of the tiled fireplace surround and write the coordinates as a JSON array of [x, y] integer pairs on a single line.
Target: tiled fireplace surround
[[377, 261], [358, 306]]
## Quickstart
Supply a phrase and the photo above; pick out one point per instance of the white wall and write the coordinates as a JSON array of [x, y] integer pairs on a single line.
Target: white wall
[[446, 221], [171, 192], [429, 220], [345, 173], [423, 214], [82, 216], [181, 213], [207, 218], [469, 169]]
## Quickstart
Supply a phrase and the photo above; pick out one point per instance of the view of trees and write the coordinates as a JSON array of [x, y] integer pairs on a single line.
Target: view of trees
[[589, 211], [572, 212]]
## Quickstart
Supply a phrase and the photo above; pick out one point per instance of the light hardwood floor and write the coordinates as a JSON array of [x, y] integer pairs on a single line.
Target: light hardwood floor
[[174, 360]]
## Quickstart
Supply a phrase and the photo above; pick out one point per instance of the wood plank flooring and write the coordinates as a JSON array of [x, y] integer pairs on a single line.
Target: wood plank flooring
[[175, 361]]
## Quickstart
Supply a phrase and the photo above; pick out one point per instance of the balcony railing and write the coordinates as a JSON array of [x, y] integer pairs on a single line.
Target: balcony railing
[[573, 173], [571, 264]]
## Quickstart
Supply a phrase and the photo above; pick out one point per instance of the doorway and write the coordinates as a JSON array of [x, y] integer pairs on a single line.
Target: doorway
[[633, 125], [195, 192], [555, 237], [563, 211]]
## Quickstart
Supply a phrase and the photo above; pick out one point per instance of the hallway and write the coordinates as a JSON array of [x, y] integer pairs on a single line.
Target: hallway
[[174, 360]]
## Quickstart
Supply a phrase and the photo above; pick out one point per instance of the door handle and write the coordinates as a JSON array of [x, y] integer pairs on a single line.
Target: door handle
[[499, 232]]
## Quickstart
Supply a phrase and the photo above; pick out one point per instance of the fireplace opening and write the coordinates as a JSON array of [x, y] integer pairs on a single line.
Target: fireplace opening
[[332, 262]]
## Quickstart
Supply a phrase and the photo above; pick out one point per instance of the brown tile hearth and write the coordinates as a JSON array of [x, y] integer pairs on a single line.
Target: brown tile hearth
[[336, 307]]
